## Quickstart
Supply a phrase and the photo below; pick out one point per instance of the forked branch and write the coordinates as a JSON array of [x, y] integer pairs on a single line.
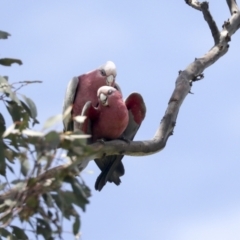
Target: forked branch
[[182, 86]]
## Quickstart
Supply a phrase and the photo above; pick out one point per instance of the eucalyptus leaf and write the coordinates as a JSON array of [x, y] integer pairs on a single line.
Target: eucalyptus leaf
[[52, 121], [48, 199], [2, 159], [44, 228], [25, 166], [15, 111], [78, 200], [6, 88], [4, 35], [19, 233], [76, 225], [9, 130], [6, 77], [2, 124], [4, 85], [4, 232], [31, 105], [32, 133], [9, 61], [52, 140], [64, 205], [3, 185]]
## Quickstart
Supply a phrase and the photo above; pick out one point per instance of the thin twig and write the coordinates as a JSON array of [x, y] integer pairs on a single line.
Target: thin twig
[[211, 23]]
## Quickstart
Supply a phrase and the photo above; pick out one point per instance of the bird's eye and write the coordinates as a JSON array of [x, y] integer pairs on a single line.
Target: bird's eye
[[103, 72], [110, 92]]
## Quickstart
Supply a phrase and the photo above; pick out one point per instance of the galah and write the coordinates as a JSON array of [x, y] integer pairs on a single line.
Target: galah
[[111, 166], [84, 88], [108, 119]]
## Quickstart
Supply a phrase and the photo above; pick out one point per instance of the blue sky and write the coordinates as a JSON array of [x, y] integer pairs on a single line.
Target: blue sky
[[190, 190]]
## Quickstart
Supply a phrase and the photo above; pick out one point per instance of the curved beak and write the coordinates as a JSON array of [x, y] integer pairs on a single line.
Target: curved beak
[[103, 98], [110, 80]]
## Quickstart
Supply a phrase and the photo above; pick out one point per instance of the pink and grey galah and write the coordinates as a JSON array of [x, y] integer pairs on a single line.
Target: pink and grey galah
[[111, 166], [84, 88], [113, 118]]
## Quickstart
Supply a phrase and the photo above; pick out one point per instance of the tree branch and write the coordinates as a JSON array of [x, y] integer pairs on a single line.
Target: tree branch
[[211, 23], [233, 7], [182, 88], [233, 23]]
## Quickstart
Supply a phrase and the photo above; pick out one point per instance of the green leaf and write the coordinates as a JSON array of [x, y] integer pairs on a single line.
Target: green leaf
[[31, 105], [76, 225], [26, 108], [31, 133], [14, 110], [9, 61], [2, 159], [9, 130], [4, 35], [25, 166], [79, 191], [2, 187], [52, 140], [44, 229], [12, 237], [78, 200], [2, 124], [6, 88], [52, 121], [19, 233], [5, 233], [4, 85], [48, 199], [64, 205], [6, 77]]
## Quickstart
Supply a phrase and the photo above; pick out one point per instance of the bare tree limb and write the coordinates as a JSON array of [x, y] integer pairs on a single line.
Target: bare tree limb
[[233, 23], [211, 23], [233, 7], [182, 88]]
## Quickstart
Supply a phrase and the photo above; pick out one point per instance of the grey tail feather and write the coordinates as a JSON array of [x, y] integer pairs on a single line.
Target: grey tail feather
[[102, 180], [112, 172]]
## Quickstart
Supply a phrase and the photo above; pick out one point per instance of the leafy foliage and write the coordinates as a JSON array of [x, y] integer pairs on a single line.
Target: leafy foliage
[[33, 190]]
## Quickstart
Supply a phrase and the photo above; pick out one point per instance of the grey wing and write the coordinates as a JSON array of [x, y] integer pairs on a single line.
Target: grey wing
[[68, 102]]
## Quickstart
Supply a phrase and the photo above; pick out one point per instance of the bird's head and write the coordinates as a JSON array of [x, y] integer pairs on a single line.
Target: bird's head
[[107, 95], [109, 72], [102, 76]]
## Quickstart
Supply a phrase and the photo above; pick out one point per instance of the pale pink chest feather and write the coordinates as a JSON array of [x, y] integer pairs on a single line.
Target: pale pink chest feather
[[111, 123]]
